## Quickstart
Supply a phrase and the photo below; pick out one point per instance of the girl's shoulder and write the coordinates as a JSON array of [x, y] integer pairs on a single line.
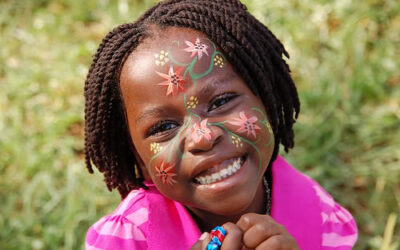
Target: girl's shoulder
[[300, 202], [145, 219], [125, 228]]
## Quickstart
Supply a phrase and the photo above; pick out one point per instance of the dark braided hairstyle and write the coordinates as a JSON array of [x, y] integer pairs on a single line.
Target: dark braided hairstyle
[[254, 52]]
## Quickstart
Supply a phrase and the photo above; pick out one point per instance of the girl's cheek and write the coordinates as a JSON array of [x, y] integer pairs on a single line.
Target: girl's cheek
[[162, 163], [249, 124]]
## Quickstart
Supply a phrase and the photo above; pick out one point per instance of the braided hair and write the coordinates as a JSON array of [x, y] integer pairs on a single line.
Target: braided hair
[[254, 52]]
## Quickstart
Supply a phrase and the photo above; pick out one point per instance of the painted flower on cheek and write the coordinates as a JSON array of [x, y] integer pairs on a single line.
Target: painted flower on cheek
[[196, 48], [155, 147], [174, 81], [165, 172], [200, 131], [246, 124]]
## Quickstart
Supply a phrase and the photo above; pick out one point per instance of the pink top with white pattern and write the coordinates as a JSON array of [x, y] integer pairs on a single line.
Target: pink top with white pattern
[[145, 219]]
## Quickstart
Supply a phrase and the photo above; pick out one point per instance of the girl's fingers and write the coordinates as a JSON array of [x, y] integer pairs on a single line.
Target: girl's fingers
[[280, 242], [205, 241], [233, 238], [258, 228], [271, 244], [201, 244], [259, 233]]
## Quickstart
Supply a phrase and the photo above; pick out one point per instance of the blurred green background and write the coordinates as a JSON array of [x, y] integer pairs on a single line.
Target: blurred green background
[[345, 61]]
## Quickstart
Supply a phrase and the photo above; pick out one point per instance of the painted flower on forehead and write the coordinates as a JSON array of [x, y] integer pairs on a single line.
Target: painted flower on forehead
[[196, 48], [192, 103], [161, 58], [246, 124], [165, 172], [200, 131], [174, 81]]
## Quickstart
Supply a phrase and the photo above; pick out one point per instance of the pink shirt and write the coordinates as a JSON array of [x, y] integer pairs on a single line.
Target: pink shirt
[[145, 219]]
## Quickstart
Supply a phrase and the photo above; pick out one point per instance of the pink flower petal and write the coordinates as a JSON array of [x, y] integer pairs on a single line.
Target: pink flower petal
[[242, 115], [203, 123], [189, 44], [252, 119], [208, 136], [163, 75], [237, 123]]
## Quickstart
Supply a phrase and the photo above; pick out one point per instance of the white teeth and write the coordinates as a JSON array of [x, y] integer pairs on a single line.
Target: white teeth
[[222, 174]]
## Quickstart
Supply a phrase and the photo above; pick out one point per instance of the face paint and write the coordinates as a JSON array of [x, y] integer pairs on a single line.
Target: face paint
[[219, 61], [196, 48], [174, 81], [155, 147], [166, 173], [192, 103], [236, 141], [201, 131], [266, 124], [246, 125], [164, 127], [161, 58]]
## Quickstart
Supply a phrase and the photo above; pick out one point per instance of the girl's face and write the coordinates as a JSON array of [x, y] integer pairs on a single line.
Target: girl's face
[[200, 134]]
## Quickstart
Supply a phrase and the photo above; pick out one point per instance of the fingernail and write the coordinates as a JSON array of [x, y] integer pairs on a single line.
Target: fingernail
[[203, 236]]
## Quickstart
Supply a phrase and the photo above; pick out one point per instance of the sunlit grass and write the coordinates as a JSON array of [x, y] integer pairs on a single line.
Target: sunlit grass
[[344, 61]]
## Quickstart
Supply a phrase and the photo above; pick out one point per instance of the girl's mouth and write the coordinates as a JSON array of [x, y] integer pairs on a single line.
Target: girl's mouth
[[221, 171]]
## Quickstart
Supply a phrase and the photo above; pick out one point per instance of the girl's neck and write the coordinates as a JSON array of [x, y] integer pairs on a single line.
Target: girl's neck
[[207, 221]]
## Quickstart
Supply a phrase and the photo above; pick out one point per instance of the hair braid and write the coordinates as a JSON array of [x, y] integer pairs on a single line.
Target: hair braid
[[253, 50]]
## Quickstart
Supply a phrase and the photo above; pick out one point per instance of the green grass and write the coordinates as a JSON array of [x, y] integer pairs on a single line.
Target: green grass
[[344, 60]]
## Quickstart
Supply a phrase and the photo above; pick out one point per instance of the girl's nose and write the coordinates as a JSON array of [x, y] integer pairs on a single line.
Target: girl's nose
[[202, 137]]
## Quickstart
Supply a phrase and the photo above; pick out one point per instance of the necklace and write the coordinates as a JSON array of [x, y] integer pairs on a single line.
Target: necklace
[[268, 192]]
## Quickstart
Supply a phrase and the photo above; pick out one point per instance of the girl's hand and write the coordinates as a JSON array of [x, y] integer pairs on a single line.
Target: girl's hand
[[252, 231], [262, 232], [232, 241]]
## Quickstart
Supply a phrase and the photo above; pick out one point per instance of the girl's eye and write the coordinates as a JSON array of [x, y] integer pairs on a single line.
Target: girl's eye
[[221, 100], [161, 127]]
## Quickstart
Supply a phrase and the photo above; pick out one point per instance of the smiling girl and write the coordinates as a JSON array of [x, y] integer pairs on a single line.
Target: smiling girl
[[185, 112]]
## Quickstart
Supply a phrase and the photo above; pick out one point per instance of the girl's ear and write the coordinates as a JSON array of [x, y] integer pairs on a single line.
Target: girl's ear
[[143, 170]]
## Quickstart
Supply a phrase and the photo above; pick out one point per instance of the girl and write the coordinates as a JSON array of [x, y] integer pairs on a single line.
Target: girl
[[185, 112]]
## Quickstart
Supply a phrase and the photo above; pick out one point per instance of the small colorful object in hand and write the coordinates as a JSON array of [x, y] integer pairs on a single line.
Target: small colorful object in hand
[[217, 237]]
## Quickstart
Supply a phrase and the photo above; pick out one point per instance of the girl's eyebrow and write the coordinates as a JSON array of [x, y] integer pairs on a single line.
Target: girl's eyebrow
[[210, 84], [149, 112]]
